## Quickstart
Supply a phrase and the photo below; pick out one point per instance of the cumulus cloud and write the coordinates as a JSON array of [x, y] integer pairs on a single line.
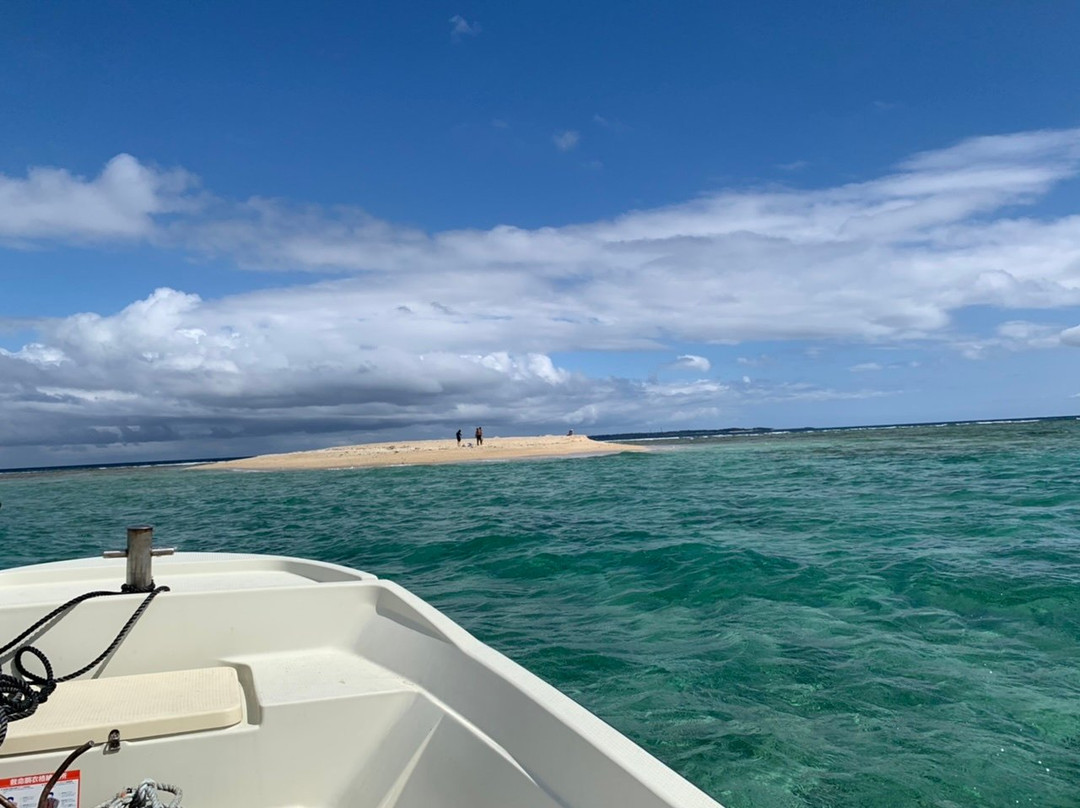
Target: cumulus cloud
[[121, 202], [175, 368], [692, 362], [888, 258], [1070, 336], [422, 329], [197, 378]]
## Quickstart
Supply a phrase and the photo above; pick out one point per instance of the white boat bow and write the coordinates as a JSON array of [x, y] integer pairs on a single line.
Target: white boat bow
[[272, 681]]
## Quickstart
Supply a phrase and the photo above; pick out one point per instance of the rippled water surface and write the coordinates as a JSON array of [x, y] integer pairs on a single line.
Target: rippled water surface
[[863, 618]]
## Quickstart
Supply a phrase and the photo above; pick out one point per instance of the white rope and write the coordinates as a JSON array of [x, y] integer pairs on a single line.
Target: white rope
[[145, 796]]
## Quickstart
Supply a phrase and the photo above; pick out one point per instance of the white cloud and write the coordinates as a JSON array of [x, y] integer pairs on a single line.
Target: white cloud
[[270, 368], [883, 259], [1070, 336], [1035, 335], [566, 140], [121, 202], [1012, 336], [421, 329], [37, 354], [460, 27], [692, 362], [865, 367]]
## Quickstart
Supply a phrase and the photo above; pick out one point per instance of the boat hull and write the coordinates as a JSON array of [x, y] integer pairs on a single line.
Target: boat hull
[[350, 691]]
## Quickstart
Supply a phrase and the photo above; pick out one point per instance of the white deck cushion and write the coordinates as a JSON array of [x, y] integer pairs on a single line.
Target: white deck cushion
[[142, 706]]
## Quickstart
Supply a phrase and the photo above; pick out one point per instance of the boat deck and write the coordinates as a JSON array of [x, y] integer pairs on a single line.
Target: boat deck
[[352, 692]]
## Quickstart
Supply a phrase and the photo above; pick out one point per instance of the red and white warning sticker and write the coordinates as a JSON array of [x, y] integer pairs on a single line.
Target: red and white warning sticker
[[26, 791]]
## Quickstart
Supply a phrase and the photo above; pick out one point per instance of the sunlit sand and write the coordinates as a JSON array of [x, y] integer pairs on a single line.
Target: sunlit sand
[[423, 452]]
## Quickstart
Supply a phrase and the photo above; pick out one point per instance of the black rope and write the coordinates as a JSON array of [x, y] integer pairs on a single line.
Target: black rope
[[21, 695]]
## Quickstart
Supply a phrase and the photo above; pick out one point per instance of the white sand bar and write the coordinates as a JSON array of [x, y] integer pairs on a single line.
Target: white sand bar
[[422, 452]]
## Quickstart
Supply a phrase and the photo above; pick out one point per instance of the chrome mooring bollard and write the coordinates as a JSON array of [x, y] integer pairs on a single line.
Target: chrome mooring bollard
[[139, 554]]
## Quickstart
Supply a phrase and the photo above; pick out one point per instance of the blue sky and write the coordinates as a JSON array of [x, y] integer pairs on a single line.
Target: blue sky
[[246, 227]]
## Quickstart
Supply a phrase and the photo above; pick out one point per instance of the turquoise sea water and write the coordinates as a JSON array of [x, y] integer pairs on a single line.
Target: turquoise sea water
[[851, 618]]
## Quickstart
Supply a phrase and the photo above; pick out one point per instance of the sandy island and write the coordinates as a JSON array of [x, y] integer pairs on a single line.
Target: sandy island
[[423, 452]]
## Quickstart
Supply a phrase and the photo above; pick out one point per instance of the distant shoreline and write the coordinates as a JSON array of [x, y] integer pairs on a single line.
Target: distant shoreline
[[425, 452], [634, 439], [754, 431]]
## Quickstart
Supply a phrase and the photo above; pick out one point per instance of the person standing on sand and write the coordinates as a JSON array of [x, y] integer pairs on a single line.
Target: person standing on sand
[[479, 436], [459, 437]]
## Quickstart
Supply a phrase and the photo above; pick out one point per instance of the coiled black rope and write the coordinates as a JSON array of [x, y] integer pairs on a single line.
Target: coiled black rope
[[20, 695]]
